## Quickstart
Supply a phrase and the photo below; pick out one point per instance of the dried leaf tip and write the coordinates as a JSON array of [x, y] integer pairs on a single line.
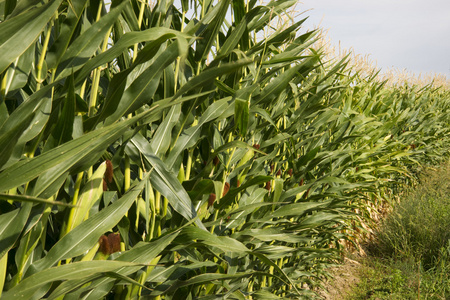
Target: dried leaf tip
[[212, 198], [109, 244], [109, 171], [226, 188]]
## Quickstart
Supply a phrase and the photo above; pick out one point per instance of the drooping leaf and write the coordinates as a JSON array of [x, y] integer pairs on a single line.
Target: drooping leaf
[[17, 74], [27, 287], [72, 156], [84, 236], [162, 138], [166, 182], [25, 198], [141, 253]]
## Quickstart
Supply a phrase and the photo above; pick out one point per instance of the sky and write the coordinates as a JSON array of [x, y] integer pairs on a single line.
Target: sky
[[402, 34]]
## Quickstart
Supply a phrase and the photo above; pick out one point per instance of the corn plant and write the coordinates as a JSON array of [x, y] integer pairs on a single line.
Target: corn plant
[[194, 151]]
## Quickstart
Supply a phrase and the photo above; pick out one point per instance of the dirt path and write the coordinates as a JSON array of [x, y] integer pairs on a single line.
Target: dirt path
[[346, 277]]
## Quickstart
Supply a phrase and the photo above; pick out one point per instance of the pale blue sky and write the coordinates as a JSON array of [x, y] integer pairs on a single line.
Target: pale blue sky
[[401, 34], [404, 34]]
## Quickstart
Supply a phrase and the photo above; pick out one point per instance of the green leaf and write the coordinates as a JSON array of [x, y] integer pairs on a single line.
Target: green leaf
[[28, 286], [277, 85], [40, 103], [64, 127], [154, 37], [15, 130], [239, 10], [166, 182], [267, 12], [11, 225], [141, 253], [205, 186], [3, 266], [270, 235], [247, 205], [191, 135], [66, 33], [163, 135], [319, 219], [263, 113], [91, 192], [86, 44], [84, 236], [241, 115], [305, 159], [9, 7], [236, 35], [18, 72], [10, 137], [207, 278], [222, 243], [72, 156], [142, 88], [236, 144], [210, 75], [277, 189], [25, 198], [269, 262], [294, 209], [209, 37], [19, 32], [229, 197]]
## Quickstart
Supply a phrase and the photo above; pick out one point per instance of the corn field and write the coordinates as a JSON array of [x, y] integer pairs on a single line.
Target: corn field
[[156, 151]]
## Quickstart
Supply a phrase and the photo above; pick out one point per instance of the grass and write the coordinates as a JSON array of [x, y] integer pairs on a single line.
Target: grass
[[410, 258], [400, 279]]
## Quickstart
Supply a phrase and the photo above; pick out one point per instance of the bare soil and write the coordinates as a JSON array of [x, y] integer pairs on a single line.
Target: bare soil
[[345, 278]]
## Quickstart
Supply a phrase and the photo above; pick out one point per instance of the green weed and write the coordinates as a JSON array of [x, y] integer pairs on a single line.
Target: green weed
[[419, 226], [411, 256]]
